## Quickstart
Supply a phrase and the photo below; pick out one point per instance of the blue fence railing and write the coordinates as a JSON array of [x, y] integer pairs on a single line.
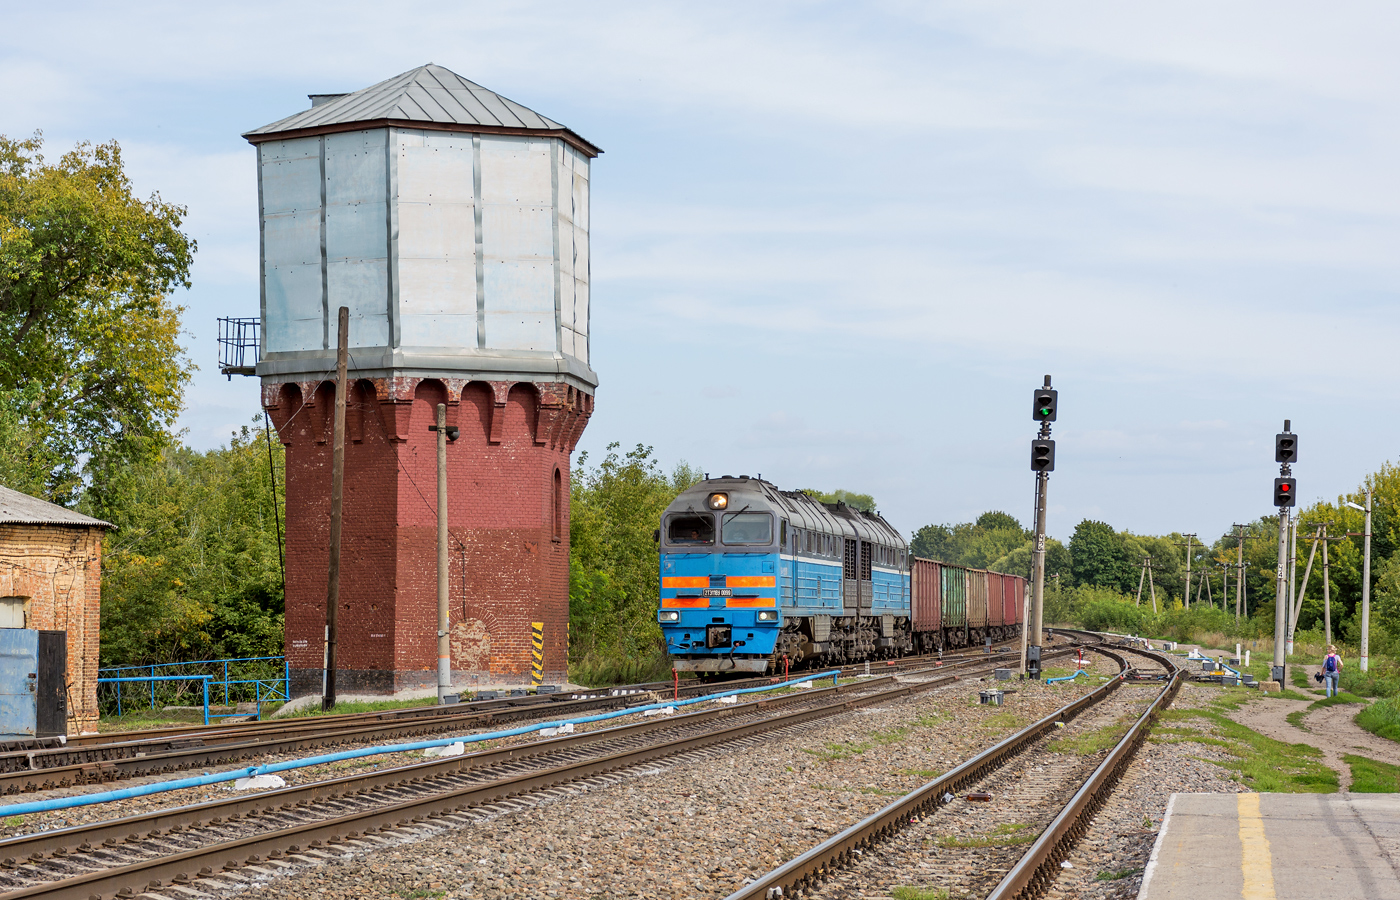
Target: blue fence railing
[[255, 679]]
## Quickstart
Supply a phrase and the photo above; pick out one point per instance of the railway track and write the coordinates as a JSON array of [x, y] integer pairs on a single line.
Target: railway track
[[275, 829], [86, 760], [1051, 796]]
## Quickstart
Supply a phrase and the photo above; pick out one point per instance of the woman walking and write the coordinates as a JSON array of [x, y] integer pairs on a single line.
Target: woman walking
[[1332, 671]]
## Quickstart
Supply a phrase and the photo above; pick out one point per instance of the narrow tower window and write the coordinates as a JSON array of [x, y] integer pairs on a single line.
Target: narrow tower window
[[558, 506]]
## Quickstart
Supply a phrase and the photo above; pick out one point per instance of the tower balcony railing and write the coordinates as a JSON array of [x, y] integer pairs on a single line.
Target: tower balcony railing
[[238, 346]]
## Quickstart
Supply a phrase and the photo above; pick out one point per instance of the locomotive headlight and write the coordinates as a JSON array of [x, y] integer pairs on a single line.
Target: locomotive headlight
[[767, 615], [719, 501], [670, 615]]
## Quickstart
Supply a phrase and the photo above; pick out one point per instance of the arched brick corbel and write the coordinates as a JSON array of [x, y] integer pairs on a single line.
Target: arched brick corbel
[[500, 392]]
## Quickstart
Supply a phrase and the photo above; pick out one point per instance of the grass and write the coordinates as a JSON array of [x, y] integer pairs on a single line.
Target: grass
[[1381, 718], [1301, 679], [599, 670], [836, 750], [1115, 876], [1005, 719], [1089, 743], [919, 893], [13, 822], [346, 707], [1002, 836], [148, 718], [1259, 762], [1371, 777]]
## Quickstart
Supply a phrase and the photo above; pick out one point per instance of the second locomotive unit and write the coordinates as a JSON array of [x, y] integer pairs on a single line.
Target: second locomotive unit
[[752, 575]]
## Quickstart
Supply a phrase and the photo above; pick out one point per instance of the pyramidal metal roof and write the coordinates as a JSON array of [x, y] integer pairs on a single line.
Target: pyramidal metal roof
[[22, 509], [426, 97]]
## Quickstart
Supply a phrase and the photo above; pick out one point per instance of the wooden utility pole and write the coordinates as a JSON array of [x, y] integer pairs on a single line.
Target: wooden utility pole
[[1302, 587], [1147, 568], [342, 358], [1186, 595]]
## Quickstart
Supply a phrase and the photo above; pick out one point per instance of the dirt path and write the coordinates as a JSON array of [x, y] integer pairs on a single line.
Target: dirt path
[[1331, 730]]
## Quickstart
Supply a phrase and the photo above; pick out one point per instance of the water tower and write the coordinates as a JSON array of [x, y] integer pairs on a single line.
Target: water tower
[[453, 223]]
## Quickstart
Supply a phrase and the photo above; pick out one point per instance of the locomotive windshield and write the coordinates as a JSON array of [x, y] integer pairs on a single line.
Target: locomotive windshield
[[691, 528], [747, 528]]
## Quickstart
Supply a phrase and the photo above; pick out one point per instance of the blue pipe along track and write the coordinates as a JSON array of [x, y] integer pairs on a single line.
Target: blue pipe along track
[[145, 790]]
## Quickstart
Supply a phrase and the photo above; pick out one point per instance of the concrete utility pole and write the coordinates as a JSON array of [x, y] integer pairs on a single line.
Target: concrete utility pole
[[1326, 591], [1042, 463], [342, 358], [1239, 571], [1292, 576], [1365, 586], [444, 679]]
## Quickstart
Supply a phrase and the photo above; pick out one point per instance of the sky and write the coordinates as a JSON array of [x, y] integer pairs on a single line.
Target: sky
[[841, 244]]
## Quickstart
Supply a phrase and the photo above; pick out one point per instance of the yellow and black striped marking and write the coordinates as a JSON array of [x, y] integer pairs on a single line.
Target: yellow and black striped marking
[[537, 637]]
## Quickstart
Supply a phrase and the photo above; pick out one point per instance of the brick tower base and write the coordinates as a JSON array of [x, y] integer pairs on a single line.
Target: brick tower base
[[508, 516]]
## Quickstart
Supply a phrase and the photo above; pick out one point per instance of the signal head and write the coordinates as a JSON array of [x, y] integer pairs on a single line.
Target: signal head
[[1046, 400], [1285, 490], [1042, 456], [1286, 447]]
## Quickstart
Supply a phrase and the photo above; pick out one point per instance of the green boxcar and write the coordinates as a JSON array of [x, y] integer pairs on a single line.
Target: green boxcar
[[955, 604]]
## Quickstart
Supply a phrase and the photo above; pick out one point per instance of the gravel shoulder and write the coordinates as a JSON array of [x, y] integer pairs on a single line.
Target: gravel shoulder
[[1108, 862], [691, 826]]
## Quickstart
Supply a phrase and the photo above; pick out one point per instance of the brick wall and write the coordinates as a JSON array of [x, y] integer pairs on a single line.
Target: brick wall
[[509, 535], [58, 568]]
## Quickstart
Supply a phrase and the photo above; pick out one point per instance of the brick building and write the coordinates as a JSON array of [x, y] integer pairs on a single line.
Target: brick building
[[453, 224], [51, 579]]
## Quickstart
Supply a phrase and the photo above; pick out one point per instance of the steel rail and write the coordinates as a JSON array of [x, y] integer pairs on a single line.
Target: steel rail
[[61, 842], [838, 850], [187, 865], [1036, 870], [46, 769], [34, 753]]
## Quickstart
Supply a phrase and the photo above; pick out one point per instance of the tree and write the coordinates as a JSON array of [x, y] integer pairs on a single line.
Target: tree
[[90, 366], [850, 498], [978, 544], [1098, 558], [613, 564], [193, 570]]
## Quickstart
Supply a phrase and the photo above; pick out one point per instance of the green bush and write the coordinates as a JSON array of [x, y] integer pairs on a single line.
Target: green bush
[[1383, 680], [1107, 614], [1381, 718]]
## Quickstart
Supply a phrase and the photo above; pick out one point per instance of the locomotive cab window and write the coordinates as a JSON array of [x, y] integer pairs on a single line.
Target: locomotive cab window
[[747, 528], [690, 528]]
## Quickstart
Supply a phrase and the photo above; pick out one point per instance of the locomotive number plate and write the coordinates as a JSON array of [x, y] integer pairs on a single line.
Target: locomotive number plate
[[716, 592]]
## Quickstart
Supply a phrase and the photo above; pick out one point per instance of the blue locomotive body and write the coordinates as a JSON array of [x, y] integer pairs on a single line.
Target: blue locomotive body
[[751, 575]]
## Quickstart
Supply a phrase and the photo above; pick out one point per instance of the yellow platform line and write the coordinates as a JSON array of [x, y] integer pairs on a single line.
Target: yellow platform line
[[1256, 862]]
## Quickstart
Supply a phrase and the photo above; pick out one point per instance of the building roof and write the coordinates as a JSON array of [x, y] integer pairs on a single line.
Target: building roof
[[22, 509], [426, 97]]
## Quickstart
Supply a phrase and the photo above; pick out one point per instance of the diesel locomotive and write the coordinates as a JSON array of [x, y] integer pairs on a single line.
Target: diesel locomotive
[[754, 578]]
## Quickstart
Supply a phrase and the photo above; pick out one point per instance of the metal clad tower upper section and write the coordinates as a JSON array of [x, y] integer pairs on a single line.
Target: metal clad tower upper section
[[452, 221]]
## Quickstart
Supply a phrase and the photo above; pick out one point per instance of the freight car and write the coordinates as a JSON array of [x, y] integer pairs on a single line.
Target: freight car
[[752, 575]]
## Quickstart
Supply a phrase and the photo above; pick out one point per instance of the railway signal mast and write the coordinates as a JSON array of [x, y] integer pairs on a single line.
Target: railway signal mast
[[1285, 496], [1042, 464]]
